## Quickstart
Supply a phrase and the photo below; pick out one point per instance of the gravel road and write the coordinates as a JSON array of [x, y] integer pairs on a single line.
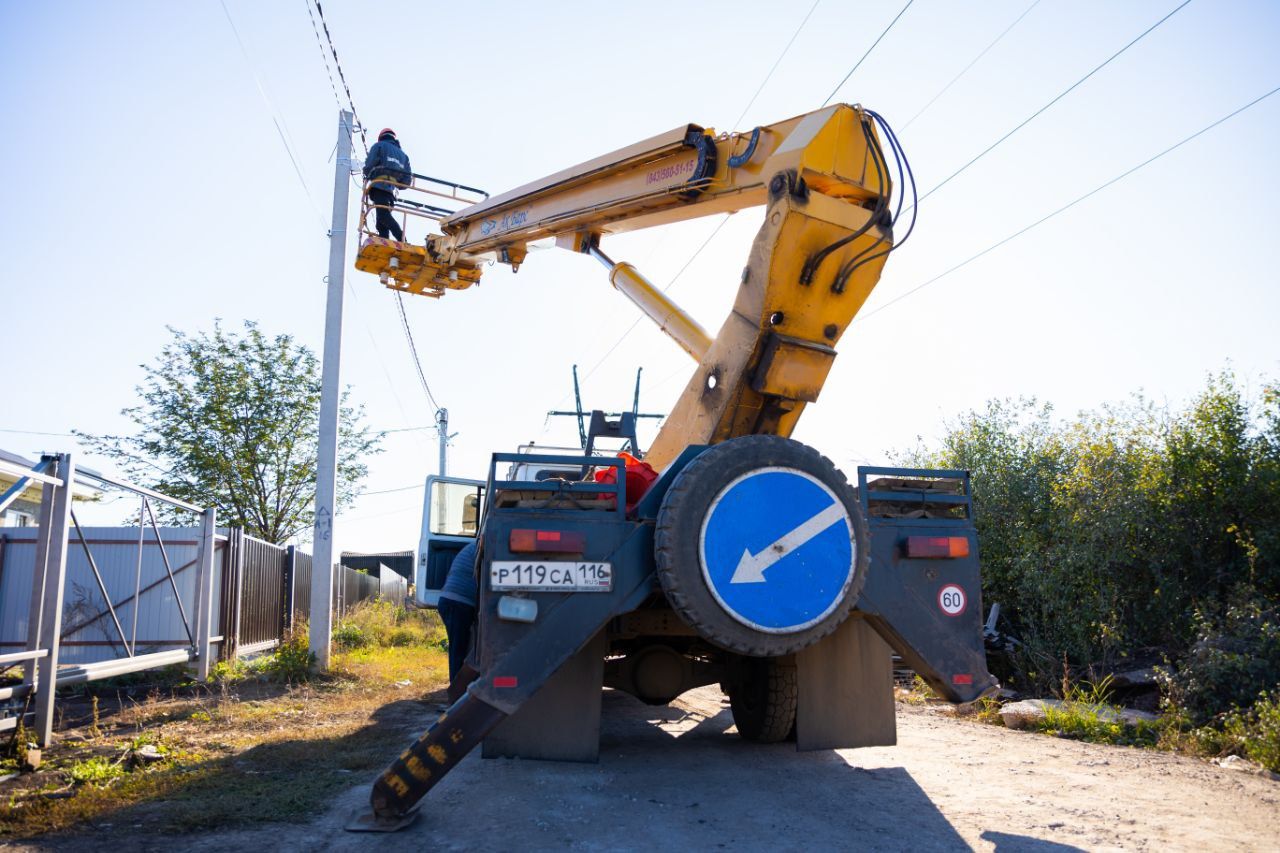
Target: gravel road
[[679, 778]]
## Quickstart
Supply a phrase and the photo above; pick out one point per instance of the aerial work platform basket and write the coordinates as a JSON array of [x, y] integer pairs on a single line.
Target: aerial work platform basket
[[402, 264]]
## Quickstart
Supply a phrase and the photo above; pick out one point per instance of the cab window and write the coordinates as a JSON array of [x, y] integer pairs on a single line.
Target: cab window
[[456, 509]]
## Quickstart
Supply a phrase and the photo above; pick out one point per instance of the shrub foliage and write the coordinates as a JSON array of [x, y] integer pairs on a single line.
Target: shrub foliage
[[1134, 530]]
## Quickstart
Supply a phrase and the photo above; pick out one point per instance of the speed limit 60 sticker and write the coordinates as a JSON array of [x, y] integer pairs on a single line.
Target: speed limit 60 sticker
[[952, 600]]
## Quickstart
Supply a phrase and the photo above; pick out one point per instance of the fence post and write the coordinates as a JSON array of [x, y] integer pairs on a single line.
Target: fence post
[[290, 587], [54, 572], [232, 569], [204, 594], [35, 613]]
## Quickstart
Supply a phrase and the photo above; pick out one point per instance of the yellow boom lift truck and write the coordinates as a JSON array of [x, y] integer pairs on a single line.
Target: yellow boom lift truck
[[750, 561]]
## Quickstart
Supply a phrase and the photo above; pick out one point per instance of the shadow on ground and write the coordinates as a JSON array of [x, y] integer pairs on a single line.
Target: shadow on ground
[[287, 780]]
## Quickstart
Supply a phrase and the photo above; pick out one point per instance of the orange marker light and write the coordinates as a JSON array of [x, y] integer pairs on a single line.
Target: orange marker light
[[937, 547]]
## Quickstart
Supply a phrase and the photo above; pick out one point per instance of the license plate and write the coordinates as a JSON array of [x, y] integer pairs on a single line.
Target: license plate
[[554, 576]]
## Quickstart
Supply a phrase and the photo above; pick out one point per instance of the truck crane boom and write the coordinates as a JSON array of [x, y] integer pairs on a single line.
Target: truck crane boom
[[825, 181], [746, 559]]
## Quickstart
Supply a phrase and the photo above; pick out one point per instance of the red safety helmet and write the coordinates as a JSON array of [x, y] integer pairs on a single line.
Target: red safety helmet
[[386, 131]]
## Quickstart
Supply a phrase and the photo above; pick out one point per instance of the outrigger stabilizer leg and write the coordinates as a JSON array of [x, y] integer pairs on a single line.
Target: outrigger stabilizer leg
[[397, 791], [567, 624]]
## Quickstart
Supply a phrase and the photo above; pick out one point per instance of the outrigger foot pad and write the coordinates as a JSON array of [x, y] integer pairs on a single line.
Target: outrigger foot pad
[[397, 791], [363, 820]]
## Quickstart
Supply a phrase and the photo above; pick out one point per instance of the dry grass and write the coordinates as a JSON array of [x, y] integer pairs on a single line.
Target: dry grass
[[240, 752]]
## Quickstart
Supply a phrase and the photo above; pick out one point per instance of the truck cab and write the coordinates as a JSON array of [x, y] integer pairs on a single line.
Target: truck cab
[[451, 512], [452, 508]]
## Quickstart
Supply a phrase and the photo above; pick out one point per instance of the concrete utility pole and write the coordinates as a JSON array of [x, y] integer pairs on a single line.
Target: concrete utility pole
[[330, 395], [442, 430]]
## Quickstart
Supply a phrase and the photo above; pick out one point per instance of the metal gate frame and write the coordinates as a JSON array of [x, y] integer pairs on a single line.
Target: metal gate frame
[[57, 476]]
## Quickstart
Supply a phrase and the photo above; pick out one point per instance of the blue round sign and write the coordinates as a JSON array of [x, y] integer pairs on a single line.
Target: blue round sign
[[777, 550]]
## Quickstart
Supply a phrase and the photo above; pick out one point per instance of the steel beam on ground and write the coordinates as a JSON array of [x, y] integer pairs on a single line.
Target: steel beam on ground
[[15, 657], [120, 666]]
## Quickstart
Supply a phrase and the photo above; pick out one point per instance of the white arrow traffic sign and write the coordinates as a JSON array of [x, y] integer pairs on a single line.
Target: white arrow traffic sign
[[751, 569]]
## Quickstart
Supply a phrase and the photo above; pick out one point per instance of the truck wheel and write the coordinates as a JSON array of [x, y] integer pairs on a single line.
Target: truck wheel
[[761, 546], [764, 701]]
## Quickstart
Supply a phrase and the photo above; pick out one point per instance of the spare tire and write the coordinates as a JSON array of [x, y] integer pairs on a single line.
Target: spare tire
[[761, 546]]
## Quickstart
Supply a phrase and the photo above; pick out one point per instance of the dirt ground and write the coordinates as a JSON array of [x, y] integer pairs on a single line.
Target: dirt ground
[[679, 777]]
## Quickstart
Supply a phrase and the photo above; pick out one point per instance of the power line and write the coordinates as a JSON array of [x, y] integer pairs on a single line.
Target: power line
[[404, 319], [323, 57], [767, 76], [276, 118], [413, 349], [37, 432], [776, 63], [974, 62], [1067, 206], [398, 489], [706, 242], [373, 340], [1060, 96], [868, 53], [674, 279], [364, 141]]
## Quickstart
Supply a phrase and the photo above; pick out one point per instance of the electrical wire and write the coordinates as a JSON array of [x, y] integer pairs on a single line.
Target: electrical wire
[[404, 318], [972, 63], [776, 63], [868, 53], [674, 279], [413, 349], [1066, 207], [37, 432], [398, 489], [324, 57], [276, 118], [373, 340], [707, 242], [364, 140], [1059, 97]]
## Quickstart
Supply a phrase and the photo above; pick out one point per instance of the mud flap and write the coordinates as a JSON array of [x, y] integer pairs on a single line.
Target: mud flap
[[846, 691], [562, 720]]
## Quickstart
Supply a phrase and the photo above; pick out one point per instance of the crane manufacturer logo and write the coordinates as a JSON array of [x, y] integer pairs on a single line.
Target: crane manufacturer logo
[[506, 223], [777, 550]]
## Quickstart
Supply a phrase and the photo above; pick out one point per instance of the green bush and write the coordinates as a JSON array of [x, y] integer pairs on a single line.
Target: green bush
[[349, 636], [293, 658], [1121, 533], [383, 624], [1234, 659], [1257, 731], [94, 771]]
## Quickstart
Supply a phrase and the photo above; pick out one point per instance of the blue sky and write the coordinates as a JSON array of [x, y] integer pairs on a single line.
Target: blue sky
[[148, 187]]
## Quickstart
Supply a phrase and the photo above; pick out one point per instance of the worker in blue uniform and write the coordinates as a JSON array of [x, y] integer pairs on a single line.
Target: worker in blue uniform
[[457, 606], [387, 160]]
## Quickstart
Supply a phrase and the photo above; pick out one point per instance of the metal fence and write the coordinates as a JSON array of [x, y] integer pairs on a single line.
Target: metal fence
[[103, 598], [79, 604], [142, 617]]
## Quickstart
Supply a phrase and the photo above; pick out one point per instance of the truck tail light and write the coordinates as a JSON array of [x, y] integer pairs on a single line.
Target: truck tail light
[[524, 541], [937, 547]]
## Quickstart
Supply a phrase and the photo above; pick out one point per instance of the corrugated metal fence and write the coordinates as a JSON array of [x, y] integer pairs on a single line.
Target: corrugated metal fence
[[262, 589], [132, 573]]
